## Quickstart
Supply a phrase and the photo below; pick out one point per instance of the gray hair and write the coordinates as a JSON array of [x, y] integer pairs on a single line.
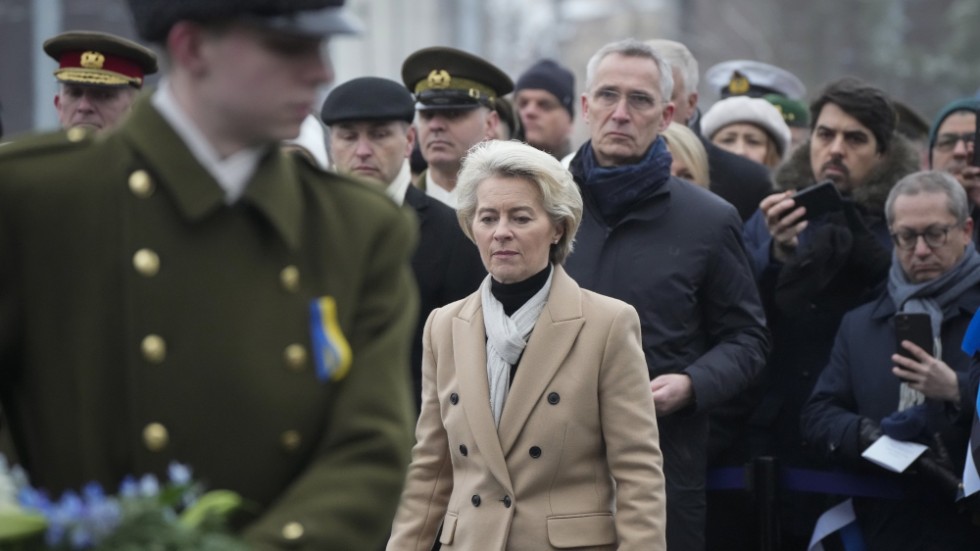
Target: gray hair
[[560, 196], [680, 58], [631, 47], [931, 181]]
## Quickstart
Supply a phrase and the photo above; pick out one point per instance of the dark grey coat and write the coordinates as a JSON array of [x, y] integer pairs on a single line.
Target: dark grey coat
[[678, 258]]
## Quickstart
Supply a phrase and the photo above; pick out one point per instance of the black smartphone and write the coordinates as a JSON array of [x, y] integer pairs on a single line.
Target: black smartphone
[[913, 327], [818, 199]]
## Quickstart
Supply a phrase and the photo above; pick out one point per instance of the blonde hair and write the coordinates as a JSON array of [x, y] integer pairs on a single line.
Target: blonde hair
[[684, 144], [560, 196]]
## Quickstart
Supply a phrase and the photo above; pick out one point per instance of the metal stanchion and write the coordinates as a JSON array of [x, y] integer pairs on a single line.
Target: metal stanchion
[[764, 480]]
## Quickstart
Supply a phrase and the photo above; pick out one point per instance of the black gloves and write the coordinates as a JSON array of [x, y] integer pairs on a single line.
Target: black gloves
[[868, 432]]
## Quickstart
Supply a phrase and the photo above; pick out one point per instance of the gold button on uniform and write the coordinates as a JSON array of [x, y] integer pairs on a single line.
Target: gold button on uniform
[[154, 348], [146, 262], [289, 277], [291, 440], [292, 531], [156, 437], [295, 356], [76, 134], [140, 184]]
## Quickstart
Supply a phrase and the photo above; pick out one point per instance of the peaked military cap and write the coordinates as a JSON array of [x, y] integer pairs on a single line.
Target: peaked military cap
[[794, 112], [744, 77], [313, 18], [446, 78], [100, 59], [368, 99]]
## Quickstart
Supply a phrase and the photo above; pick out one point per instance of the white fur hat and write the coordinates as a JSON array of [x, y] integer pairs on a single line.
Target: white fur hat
[[755, 111]]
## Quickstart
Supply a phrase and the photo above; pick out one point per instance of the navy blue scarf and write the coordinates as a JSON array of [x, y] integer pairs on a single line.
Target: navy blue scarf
[[616, 189]]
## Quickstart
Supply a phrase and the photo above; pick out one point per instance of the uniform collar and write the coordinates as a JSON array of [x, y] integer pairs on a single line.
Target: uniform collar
[[274, 187]]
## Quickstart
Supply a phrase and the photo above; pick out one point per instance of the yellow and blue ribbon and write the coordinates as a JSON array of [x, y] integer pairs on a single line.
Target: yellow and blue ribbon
[[331, 351]]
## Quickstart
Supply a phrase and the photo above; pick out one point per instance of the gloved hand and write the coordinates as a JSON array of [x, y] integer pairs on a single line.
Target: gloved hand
[[868, 432], [936, 465]]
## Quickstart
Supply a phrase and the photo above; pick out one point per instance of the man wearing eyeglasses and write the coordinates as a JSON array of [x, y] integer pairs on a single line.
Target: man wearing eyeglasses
[[674, 251], [951, 148], [812, 271], [869, 388]]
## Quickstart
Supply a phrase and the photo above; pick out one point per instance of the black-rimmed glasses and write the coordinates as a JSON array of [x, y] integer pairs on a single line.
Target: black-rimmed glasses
[[946, 142], [934, 236]]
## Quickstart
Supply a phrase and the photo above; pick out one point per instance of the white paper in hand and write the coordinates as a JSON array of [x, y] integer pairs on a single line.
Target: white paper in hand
[[894, 455]]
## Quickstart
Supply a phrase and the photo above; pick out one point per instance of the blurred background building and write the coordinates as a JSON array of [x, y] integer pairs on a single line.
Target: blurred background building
[[924, 52]]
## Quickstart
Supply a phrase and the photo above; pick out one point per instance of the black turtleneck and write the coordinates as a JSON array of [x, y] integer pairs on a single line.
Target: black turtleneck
[[513, 295]]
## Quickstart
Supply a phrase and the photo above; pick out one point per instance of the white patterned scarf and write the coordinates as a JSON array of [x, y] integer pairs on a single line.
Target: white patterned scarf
[[506, 339]]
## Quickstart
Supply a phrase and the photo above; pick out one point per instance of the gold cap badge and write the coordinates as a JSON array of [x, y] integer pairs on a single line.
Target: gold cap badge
[[92, 60], [738, 84], [439, 78]]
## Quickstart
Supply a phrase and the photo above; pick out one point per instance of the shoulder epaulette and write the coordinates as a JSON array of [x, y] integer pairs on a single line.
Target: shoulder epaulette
[[48, 142]]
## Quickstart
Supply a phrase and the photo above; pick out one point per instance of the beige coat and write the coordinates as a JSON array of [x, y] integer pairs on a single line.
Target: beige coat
[[576, 461]]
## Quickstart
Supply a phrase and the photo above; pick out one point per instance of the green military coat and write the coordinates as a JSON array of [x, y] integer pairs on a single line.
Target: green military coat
[[143, 320]]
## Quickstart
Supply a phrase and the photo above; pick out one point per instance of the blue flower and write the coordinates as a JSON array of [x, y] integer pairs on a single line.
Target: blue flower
[[149, 486], [179, 474]]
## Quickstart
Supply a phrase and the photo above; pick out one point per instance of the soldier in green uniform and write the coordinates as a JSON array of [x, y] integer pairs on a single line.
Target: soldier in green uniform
[[99, 75], [457, 95], [180, 289]]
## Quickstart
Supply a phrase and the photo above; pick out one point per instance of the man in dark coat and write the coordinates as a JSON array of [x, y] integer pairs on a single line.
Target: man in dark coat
[[741, 182], [673, 251], [179, 289], [811, 273], [925, 397], [952, 149], [371, 136]]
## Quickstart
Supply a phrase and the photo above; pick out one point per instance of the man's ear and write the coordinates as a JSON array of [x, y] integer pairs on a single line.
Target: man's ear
[[185, 45], [410, 134], [585, 108], [493, 121]]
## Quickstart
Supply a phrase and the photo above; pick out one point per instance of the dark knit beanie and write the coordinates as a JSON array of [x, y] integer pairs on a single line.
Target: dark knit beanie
[[557, 80], [963, 104]]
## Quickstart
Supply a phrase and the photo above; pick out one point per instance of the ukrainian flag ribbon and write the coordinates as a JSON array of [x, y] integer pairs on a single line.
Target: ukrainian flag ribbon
[[331, 351]]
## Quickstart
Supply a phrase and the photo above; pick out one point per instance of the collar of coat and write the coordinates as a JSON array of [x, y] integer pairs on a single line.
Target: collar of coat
[[899, 160], [274, 188]]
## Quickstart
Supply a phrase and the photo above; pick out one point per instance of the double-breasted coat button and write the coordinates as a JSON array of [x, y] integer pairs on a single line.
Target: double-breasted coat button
[[454, 398], [154, 349], [554, 398], [506, 501], [290, 440], [534, 452], [289, 278], [463, 450], [76, 134], [475, 500], [141, 184], [293, 531], [146, 262], [155, 437], [295, 357]]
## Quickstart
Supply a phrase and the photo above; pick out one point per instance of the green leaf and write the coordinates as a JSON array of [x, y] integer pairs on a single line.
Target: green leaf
[[214, 504], [16, 525]]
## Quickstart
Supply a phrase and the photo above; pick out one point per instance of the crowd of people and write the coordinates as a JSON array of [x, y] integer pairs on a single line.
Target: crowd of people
[[584, 339]]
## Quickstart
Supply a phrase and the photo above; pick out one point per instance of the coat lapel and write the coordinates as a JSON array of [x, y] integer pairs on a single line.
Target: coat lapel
[[470, 357], [548, 346]]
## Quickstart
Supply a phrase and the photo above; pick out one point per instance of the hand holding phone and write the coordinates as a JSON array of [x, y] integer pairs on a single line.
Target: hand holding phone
[[818, 199], [915, 328]]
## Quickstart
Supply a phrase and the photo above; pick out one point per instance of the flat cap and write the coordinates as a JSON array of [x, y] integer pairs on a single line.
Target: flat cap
[[446, 78], [368, 99], [100, 59], [744, 77], [313, 18]]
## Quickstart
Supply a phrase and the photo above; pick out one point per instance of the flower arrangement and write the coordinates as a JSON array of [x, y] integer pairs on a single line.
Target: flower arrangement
[[145, 515]]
